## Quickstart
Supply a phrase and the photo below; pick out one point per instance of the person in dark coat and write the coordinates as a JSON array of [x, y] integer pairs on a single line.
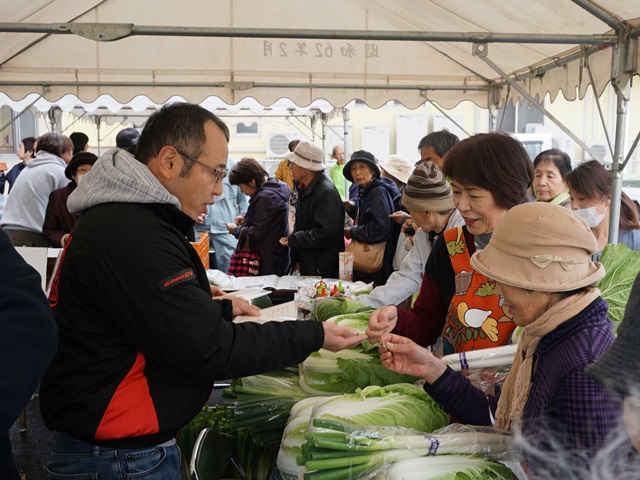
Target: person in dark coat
[[26, 151], [317, 236], [58, 222], [28, 341], [371, 211], [266, 219]]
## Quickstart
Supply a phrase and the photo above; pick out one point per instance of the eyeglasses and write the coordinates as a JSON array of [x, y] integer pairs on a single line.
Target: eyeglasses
[[219, 174]]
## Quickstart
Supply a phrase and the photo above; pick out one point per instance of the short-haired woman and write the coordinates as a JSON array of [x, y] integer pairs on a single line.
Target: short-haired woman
[[371, 212], [550, 169], [490, 173], [266, 219], [539, 257], [590, 189]]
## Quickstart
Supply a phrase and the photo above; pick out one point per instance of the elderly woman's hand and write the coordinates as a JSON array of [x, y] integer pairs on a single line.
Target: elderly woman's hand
[[382, 321], [400, 217], [401, 355]]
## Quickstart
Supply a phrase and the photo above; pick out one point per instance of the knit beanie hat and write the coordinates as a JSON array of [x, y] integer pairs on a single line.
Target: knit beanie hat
[[427, 190]]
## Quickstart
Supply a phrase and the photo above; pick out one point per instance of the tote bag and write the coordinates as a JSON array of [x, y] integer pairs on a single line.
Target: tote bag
[[367, 257], [245, 261]]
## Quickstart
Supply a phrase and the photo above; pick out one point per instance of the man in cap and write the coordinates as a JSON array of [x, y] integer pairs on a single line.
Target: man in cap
[[429, 200], [317, 237], [58, 222], [141, 339], [127, 139]]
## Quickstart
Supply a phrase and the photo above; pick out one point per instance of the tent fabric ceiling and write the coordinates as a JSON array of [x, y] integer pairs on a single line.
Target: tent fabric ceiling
[[301, 69]]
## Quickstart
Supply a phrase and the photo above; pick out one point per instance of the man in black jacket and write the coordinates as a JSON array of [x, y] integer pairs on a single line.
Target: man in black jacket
[[317, 236], [141, 339]]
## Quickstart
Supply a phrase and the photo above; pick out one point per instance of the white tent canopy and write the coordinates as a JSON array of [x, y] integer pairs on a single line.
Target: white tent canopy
[[336, 50], [445, 51]]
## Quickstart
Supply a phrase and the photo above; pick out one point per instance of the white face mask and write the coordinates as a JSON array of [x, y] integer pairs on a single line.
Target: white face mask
[[79, 177], [590, 215]]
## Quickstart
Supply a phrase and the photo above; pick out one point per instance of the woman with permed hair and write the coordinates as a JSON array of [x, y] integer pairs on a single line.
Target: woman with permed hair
[[490, 173]]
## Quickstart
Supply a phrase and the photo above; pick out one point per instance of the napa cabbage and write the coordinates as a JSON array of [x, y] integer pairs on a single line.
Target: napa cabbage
[[449, 467], [622, 266], [336, 306]]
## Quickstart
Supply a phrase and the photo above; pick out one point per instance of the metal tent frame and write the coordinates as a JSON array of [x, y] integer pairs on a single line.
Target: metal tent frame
[[623, 40]]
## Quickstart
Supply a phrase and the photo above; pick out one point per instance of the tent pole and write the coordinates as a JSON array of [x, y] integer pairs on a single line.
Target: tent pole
[[107, 32], [597, 11], [345, 136], [480, 50], [597, 100], [493, 106], [622, 68], [98, 119]]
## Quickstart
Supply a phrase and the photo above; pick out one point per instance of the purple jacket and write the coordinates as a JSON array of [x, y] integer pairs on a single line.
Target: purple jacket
[[266, 222], [568, 415]]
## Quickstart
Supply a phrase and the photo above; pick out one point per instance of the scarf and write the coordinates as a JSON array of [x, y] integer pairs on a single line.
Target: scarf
[[516, 387]]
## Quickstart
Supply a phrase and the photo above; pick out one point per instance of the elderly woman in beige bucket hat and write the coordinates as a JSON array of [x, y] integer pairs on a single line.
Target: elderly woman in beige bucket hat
[[539, 257]]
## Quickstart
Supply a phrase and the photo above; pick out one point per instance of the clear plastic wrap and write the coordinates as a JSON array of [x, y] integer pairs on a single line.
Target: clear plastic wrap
[[485, 368], [346, 451]]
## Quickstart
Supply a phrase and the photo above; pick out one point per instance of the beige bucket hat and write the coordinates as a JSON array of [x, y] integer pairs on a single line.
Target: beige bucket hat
[[308, 155], [542, 247]]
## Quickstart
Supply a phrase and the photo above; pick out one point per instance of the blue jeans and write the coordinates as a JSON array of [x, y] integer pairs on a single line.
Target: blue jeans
[[73, 459]]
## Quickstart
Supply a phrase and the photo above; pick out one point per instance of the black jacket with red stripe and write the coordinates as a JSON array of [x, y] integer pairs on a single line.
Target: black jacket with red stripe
[[141, 340]]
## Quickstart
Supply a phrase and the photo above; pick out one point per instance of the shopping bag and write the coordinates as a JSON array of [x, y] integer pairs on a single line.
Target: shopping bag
[[245, 261], [367, 257]]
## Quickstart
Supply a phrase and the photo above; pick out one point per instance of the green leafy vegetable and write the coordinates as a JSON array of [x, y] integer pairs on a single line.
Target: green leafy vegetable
[[399, 405], [622, 266], [331, 373], [335, 306], [336, 425]]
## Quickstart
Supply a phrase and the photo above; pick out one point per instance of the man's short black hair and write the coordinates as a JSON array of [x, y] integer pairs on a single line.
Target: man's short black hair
[[180, 125], [79, 140], [441, 142]]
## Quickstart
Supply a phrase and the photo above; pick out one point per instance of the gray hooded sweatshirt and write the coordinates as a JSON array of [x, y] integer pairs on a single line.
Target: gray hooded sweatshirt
[[27, 203], [118, 177]]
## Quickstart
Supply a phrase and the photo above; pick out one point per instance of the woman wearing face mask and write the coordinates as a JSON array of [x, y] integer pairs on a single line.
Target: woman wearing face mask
[[549, 171], [590, 190], [58, 222]]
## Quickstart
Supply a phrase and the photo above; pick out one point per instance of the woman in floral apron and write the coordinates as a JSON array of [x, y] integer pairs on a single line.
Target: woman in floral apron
[[490, 173]]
